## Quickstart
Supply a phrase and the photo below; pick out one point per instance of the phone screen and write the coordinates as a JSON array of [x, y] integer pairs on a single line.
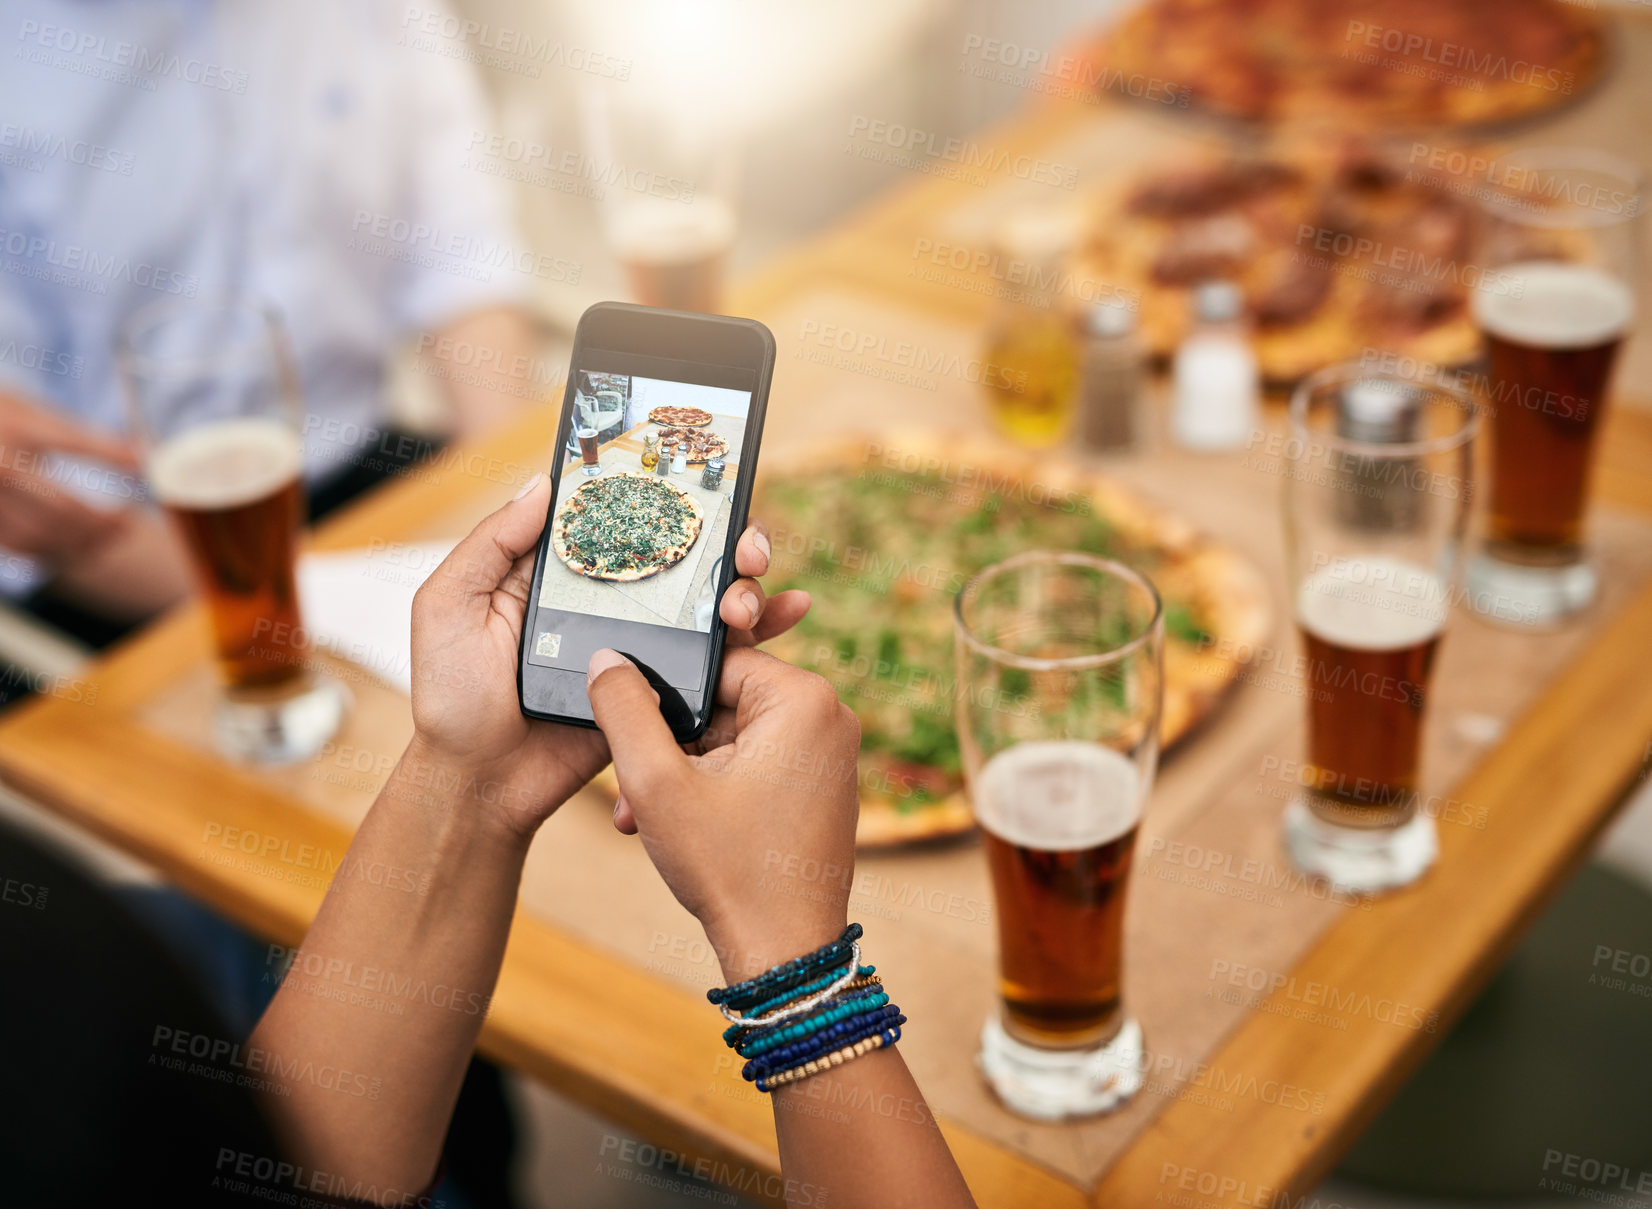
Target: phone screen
[[634, 555]]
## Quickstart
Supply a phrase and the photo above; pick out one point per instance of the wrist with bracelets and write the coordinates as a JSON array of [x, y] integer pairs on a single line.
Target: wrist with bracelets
[[809, 1014]]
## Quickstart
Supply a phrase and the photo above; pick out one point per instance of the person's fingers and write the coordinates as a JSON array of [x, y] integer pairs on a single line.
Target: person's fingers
[[518, 582], [720, 731], [753, 551], [646, 756], [480, 563], [753, 680], [48, 430], [625, 819], [781, 613], [37, 519], [742, 604]]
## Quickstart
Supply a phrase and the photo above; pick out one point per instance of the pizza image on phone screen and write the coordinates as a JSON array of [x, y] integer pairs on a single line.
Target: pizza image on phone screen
[[630, 542]]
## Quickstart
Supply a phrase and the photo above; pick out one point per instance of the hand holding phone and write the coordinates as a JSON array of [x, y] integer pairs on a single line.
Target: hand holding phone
[[657, 450], [469, 732], [742, 830]]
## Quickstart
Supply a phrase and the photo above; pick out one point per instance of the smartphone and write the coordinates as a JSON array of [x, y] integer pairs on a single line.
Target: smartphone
[[633, 558]]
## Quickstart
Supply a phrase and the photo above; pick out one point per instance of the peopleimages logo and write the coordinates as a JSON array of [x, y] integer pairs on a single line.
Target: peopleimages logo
[[1070, 77], [568, 162], [385, 234], [1456, 56], [499, 46], [910, 146], [36, 254], [95, 50], [30, 142]]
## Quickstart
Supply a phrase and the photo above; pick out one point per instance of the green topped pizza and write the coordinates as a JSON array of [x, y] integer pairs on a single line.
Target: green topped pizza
[[625, 526], [883, 533]]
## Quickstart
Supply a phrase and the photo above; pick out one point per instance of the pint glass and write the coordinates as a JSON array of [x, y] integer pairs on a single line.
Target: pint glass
[[1060, 682], [668, 202], [1377, 496], [1556, 244], [214, 397]]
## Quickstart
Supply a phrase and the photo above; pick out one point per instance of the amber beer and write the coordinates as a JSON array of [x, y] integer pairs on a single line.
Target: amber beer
[[1371, 630], [1550, 349], [674, 253], [1059, 823], [234, 489]]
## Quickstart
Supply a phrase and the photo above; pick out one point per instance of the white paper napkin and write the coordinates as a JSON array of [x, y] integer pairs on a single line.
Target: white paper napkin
[[358, 604]]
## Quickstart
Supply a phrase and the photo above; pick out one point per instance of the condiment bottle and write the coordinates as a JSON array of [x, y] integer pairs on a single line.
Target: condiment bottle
[[1030, 362], [711, 478], [1378, 493], [1217, 387], [1110, 381], [650, 451]]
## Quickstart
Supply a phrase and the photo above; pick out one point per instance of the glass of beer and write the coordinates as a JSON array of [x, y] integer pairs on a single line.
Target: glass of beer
[[214, 398], [1378, 490], [670, 180], [1060, 683], [1556, 244]]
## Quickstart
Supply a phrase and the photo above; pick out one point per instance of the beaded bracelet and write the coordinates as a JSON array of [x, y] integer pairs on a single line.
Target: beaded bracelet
[[786, 973], [799, 1026], [829, 1038], [796, 1032], [758, 1015], [809, 1014], [800, 1006], [827, 1048], [837, 1058]]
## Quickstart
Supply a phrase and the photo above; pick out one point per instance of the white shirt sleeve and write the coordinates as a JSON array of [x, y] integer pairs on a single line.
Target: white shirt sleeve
[[479, 258]]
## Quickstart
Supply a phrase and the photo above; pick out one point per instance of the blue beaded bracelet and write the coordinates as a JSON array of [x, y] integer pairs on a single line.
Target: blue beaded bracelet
[[801, 1051], [787, 975], [850, 1051], [809, 1014], [838, 1010], [824, 1042], [734, 1033]]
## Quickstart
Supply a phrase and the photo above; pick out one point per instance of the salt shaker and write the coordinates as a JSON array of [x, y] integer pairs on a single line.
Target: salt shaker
[[1217, 389]]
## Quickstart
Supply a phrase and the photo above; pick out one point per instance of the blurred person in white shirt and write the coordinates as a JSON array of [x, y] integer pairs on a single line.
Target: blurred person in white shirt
[[306, 154]]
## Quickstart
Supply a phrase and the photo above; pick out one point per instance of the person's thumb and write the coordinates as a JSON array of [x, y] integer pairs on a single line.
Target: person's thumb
[[646, 757], [479, 564]]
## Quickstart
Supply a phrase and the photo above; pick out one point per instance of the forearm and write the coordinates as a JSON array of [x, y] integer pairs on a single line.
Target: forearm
[[137, 573], [392, 984], [496, 376], [875, 1147], [859, 1136]]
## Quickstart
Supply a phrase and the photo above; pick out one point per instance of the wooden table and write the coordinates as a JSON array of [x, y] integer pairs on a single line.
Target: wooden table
[[121, 755]]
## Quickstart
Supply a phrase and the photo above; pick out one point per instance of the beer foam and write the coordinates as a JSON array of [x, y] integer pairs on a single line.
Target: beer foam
[[651, 230], [226, 463], [1551, 304], [1059, 796], [1372, 604]]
